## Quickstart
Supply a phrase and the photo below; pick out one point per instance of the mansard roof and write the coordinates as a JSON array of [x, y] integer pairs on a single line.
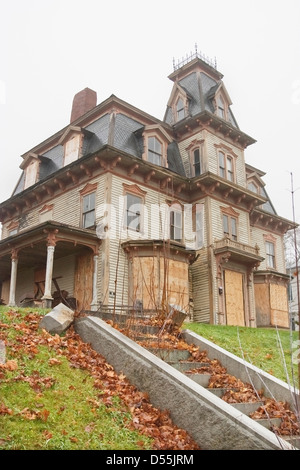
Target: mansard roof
[[113, 122], [201, 83]]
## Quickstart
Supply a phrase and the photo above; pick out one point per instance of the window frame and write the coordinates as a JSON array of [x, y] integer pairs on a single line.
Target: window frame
[[154, 152], [163, 139], [270, 256], [175, 209], [181, 110], [221, 110], [230, 217], [255, 185], [89, 211], [139, 214], [231, 231], [226, 169], [197, 164]]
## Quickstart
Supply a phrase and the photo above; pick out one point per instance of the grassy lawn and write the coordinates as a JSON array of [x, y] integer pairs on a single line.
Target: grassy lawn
[[260, 346], [46, 404]]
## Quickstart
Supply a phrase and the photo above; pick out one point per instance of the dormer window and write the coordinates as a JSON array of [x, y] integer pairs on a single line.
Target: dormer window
[[154, 151], [30, 165], [253, 187], [222, 102], [31, 172], [180, 109], [221, 107], [72, 149], [72, 141], [156, 141]]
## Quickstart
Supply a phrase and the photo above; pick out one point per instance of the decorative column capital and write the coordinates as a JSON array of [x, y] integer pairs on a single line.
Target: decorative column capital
[[51, 237], [14, 254]]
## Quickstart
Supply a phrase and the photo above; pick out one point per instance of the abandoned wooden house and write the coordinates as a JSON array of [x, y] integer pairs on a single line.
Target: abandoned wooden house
[[121, 208]]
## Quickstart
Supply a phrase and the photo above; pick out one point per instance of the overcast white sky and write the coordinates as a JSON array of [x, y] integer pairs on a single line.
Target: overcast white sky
[[51, 49]]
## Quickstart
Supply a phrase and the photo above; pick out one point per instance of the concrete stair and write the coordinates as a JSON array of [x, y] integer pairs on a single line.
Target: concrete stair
[[182, 361], [192, 371]]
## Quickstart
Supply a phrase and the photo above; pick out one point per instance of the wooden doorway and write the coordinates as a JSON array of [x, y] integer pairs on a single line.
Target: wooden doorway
[[234, 298], [83, 287]]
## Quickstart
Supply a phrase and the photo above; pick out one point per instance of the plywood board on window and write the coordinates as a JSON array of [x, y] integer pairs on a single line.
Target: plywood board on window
[[178, 284], [159, 279], [145, 281], [262, 304], [279, 305], [234, 297]]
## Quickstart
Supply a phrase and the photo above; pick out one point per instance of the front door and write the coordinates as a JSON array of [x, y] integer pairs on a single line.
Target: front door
[[83, 288], [234, 298]]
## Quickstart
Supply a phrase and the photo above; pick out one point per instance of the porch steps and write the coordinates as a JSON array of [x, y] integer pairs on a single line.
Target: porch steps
[[183, 362], [178, 358]]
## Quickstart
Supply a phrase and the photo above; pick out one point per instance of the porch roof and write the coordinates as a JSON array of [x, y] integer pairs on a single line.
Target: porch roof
[[30, 245]]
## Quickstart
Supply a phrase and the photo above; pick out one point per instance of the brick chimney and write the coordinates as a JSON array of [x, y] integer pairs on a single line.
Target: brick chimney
[[83, 102]]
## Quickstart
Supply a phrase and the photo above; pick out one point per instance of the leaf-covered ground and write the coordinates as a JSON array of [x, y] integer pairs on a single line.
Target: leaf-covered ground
[[267, 348], [56, 392]]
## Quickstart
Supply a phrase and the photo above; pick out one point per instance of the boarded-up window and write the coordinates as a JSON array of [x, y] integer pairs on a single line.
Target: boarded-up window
[[279, 305], [234, 298], [31, 172], [72, 149]]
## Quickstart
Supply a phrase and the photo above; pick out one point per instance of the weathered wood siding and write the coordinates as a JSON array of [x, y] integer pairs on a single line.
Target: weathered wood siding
[[201, 287], [211, 142], [155, 225], [66, 208], [271, 305], [217, 222], [64, 268], [25, 283]]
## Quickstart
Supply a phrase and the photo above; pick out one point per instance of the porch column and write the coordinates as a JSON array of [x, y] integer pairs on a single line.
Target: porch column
[[13, 278], [47, 297], [94, 304]]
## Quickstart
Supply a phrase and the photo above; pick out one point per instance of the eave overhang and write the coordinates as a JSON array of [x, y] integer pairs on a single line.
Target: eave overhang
[[106, 159], [211, 184], [270, 276], [265, 220], [154, 247], [207, 119]]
